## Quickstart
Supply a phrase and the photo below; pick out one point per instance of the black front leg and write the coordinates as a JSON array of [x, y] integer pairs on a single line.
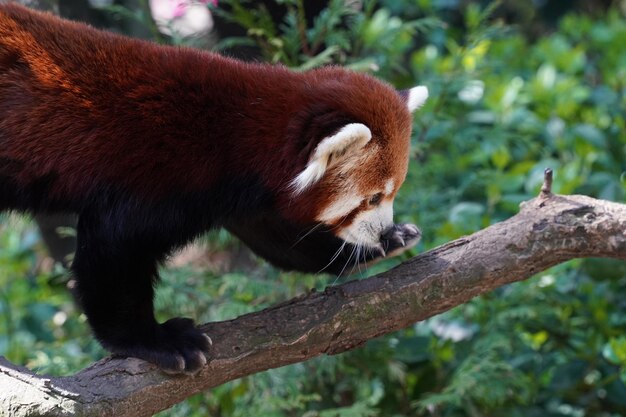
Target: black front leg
[[116, 268]]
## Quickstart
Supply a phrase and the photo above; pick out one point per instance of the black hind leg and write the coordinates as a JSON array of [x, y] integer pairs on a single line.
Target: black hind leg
[[116, 267]]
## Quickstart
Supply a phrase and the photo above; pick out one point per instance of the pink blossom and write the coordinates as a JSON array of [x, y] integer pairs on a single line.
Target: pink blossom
[[172, 9]]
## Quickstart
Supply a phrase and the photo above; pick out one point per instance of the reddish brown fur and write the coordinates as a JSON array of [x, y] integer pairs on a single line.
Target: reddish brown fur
[[94, 107], [153, 145]]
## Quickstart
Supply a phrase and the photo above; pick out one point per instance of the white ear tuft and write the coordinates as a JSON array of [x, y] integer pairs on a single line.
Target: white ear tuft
[[351, 137], [417, 97]]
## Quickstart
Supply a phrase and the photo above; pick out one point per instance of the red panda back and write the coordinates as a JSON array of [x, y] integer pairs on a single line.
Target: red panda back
[[92, 106]]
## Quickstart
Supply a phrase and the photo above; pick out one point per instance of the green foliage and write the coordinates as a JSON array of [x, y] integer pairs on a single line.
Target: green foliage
[[369, 40], [40, 326], [503, 107]]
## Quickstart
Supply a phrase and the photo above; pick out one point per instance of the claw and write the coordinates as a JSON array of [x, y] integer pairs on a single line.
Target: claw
[[380, 249], [399, 238]]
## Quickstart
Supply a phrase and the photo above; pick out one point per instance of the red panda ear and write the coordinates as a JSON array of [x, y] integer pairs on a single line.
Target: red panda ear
[[348, 139], [415, 97]]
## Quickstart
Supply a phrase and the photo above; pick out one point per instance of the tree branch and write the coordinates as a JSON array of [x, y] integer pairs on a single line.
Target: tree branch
[[549, 229]]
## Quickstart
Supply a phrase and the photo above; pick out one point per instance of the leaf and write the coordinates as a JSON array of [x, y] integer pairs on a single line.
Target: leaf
[[320, 59], [591, 134], [467, 215], [412, 350]]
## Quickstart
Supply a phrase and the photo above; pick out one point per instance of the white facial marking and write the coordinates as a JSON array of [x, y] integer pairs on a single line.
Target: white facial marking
[[389, 187], [368, 226], [340, 208], [352, 135], [417, 97]]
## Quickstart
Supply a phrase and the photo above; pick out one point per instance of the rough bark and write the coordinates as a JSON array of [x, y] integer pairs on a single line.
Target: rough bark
[[549, 229]]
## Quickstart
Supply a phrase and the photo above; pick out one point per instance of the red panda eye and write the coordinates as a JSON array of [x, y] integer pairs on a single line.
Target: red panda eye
[[376, 199]]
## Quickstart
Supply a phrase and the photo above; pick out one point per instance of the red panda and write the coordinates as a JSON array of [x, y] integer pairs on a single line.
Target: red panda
[[153, 145]]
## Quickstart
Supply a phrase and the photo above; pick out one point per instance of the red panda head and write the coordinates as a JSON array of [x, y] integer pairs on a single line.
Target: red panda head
[[353, 173]]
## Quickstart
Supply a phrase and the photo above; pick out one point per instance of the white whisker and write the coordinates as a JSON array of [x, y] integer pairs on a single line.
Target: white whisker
[[368, 251], [347, 261], [343, 245], [357, 258], [306, 234]]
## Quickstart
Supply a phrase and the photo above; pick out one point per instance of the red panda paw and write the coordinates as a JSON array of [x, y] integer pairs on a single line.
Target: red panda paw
[[178, 347], [399, 238]]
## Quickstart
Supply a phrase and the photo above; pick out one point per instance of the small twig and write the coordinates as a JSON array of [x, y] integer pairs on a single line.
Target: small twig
[[546, 188]]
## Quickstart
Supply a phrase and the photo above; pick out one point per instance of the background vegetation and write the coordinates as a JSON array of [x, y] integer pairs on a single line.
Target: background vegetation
[[514, 88]]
